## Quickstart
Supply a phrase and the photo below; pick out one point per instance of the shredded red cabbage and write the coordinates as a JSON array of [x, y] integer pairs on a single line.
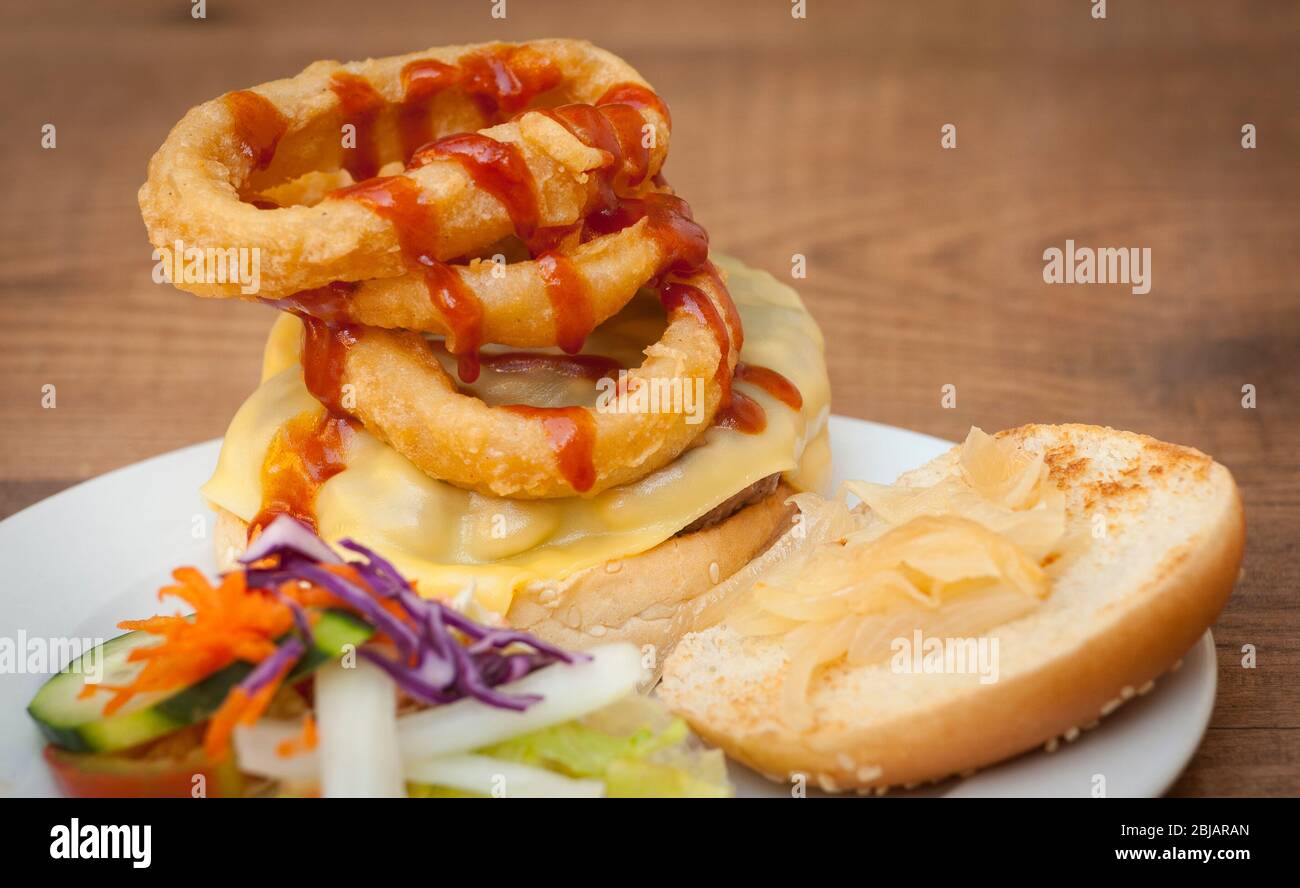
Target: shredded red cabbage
[[289, 535], [432, 664], [266, 671]]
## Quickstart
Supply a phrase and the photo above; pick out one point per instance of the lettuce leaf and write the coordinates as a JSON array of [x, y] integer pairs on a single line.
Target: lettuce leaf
[[634, 747]]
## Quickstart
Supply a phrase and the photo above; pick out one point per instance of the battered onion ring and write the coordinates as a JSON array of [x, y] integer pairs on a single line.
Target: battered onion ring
[[607, 271], [243, 143], [403, 396]]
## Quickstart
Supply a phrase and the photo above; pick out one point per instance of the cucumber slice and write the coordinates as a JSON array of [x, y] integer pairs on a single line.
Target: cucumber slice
[[78, 724]]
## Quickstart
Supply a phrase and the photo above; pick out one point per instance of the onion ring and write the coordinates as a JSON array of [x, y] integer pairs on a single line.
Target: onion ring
[[402, 395], [555, 300], [536, 176]]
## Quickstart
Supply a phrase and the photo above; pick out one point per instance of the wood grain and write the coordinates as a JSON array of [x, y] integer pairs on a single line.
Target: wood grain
[[818, 137]]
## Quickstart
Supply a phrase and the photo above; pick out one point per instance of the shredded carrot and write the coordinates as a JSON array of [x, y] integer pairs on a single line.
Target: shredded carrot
[[304, 742], [239, 709], [229, 623]]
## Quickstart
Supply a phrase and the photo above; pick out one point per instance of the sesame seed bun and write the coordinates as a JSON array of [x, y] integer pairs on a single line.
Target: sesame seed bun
[[1119, 615]]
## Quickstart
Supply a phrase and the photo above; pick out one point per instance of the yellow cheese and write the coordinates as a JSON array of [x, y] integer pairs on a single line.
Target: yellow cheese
[[446, 538]]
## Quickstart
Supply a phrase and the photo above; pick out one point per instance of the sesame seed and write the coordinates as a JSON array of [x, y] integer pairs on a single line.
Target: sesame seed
[[1111, 706], [1051, 745], [1072, 735], [1146, 688], [1127, 692], [715, 573]]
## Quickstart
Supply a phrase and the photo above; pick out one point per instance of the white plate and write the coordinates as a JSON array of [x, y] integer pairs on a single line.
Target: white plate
[[97, 553]]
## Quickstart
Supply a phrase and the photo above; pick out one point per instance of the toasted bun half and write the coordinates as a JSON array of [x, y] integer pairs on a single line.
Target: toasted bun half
[[1119, 615], [633, 599]]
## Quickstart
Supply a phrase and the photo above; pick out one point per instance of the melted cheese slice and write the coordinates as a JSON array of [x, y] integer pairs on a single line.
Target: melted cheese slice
[[447, 538]]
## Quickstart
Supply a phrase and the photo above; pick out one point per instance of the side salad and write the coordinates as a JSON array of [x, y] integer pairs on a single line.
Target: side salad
[[307, 674]]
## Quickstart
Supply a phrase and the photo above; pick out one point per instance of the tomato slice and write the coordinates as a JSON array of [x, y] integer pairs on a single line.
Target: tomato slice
[[107, 775]]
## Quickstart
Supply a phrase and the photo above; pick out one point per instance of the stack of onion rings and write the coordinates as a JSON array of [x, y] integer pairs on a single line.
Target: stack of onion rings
[[388, 232]]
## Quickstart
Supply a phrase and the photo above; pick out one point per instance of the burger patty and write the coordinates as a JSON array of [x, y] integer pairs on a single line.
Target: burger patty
[[754, 493]]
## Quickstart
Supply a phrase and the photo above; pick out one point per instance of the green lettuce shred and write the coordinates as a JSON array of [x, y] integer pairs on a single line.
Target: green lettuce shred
[[428, 791], [661, 759]]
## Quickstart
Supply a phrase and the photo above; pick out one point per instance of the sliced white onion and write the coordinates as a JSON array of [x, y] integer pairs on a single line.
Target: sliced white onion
[[356, 715], [501, 779], [255, 750], [567, 691]]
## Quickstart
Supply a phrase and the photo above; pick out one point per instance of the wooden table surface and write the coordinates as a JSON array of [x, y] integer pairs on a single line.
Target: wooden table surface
[[816, 136]]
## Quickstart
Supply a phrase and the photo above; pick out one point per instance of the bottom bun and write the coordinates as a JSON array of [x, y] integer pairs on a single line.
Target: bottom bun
[[635, 599], [632, 599]]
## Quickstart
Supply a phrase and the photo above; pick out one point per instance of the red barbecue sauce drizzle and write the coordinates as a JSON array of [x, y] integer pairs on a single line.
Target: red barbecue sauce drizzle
[[614, 130], [637, 96], [499, 81], [397, 199], [361, 104], [495, 167], [324, 357], [572, 433], [744, 414], [306, 452], [678, 297], [570, 301], [729, 312], [736, 410], [503, 81], [328, 303], [309, 449], [422, 81], [258, 126], [593, 129], [771, 382], [627, 123], [683, 243]]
